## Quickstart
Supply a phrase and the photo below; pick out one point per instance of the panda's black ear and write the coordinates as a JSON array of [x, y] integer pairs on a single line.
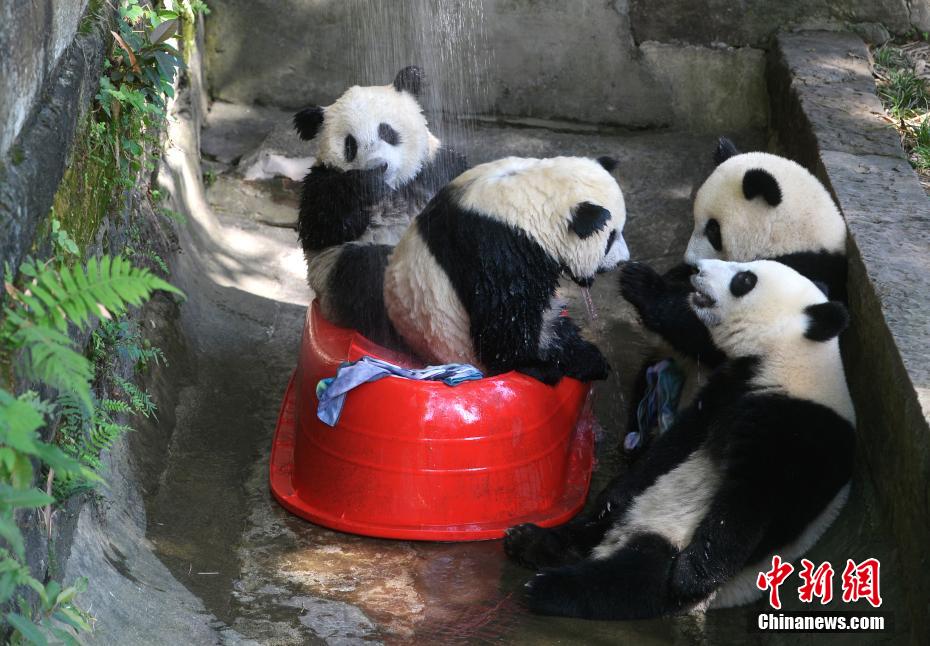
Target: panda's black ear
[[588, 219], [761, 182], [827, 320], [608, 162], [307, 122], [724, 150], [409, 79]]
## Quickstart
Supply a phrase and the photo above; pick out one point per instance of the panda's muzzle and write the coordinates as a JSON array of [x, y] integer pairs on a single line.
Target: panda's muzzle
[[702, 297]]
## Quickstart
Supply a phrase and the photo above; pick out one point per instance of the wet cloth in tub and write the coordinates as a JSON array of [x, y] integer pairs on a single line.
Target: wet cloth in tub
[[331, 392]]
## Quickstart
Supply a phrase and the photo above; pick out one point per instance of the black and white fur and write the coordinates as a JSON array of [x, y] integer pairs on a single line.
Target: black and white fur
[[753, 206], [475, 277], [758, 464], [377, 166]]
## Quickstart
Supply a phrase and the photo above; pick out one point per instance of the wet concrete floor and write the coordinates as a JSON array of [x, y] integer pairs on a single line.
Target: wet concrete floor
[[271, 577]]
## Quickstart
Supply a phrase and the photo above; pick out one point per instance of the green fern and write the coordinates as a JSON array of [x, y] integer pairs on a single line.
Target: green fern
[[104, 287]]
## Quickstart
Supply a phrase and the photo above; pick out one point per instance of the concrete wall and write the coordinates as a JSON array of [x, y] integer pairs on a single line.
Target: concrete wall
[[829, 118], [547, 59], [754, 22], [33, 36], [637, 63]]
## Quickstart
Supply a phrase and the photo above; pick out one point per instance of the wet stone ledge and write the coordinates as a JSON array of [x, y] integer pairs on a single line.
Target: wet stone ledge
[[827, 114]]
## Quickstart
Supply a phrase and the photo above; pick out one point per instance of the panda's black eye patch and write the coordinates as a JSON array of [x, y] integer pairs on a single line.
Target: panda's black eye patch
[[388, 134], [742, 283], [351, 148], [712, 231]]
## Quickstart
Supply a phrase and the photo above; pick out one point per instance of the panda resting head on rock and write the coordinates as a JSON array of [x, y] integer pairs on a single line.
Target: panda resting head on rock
[[691, 524]]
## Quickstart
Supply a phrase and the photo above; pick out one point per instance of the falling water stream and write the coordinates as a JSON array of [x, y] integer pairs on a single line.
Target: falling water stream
[[447, 39]]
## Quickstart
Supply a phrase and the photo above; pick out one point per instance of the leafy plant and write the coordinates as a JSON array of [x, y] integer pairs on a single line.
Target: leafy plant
[[35, 321]]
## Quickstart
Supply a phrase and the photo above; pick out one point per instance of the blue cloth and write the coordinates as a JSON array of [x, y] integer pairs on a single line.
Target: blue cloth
[[659, 405], [331, 392]]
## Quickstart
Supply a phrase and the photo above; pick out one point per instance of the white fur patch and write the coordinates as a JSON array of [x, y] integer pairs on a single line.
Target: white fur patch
[[532, 195], [672, 507], [538, 195], [805, 220], [770, 322], [742, 589], [359, 112], [319, 266], [423, 305]]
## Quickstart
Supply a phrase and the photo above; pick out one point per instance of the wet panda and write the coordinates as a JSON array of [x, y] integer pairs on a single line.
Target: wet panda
[[753, 206], [474, 278], [759, 464], [377, 166]]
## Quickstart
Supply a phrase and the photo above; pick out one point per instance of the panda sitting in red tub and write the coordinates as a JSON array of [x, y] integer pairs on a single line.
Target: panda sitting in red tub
[[474, 278]]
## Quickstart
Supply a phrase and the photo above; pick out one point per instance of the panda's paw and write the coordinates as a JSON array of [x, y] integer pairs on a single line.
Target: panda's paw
[[640, 284], [548, 373], [586, 363], [533, 546]]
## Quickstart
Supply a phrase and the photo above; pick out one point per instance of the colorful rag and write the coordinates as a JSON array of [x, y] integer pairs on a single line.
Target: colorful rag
[[659, 405], [331, 392]]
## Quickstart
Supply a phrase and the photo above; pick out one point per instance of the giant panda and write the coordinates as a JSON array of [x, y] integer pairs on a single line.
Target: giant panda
[[377, 166], [474, 278], [753, 206], [759, 464]]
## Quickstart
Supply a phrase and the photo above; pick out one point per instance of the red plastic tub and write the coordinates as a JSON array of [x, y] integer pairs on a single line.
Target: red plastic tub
[[422, 460]]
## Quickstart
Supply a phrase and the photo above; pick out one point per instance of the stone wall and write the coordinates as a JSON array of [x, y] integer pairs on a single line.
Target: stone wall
[[51, 59], [33, 36], [548, 59], [755, 22], [635, 63], [829, 117]]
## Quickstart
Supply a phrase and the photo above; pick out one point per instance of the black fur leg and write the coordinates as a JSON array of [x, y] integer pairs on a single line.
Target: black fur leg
[[630, 584], [532, 546], [333, 205]]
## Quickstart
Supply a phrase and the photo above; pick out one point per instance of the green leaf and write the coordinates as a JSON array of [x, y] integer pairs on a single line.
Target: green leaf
[[164, 31], [22, 498], [72, 618], [9, 532], [29, 631]]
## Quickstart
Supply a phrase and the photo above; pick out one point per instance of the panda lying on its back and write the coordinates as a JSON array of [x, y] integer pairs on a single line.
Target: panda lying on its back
[[754, 206], [759, 464], [378, 165]]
